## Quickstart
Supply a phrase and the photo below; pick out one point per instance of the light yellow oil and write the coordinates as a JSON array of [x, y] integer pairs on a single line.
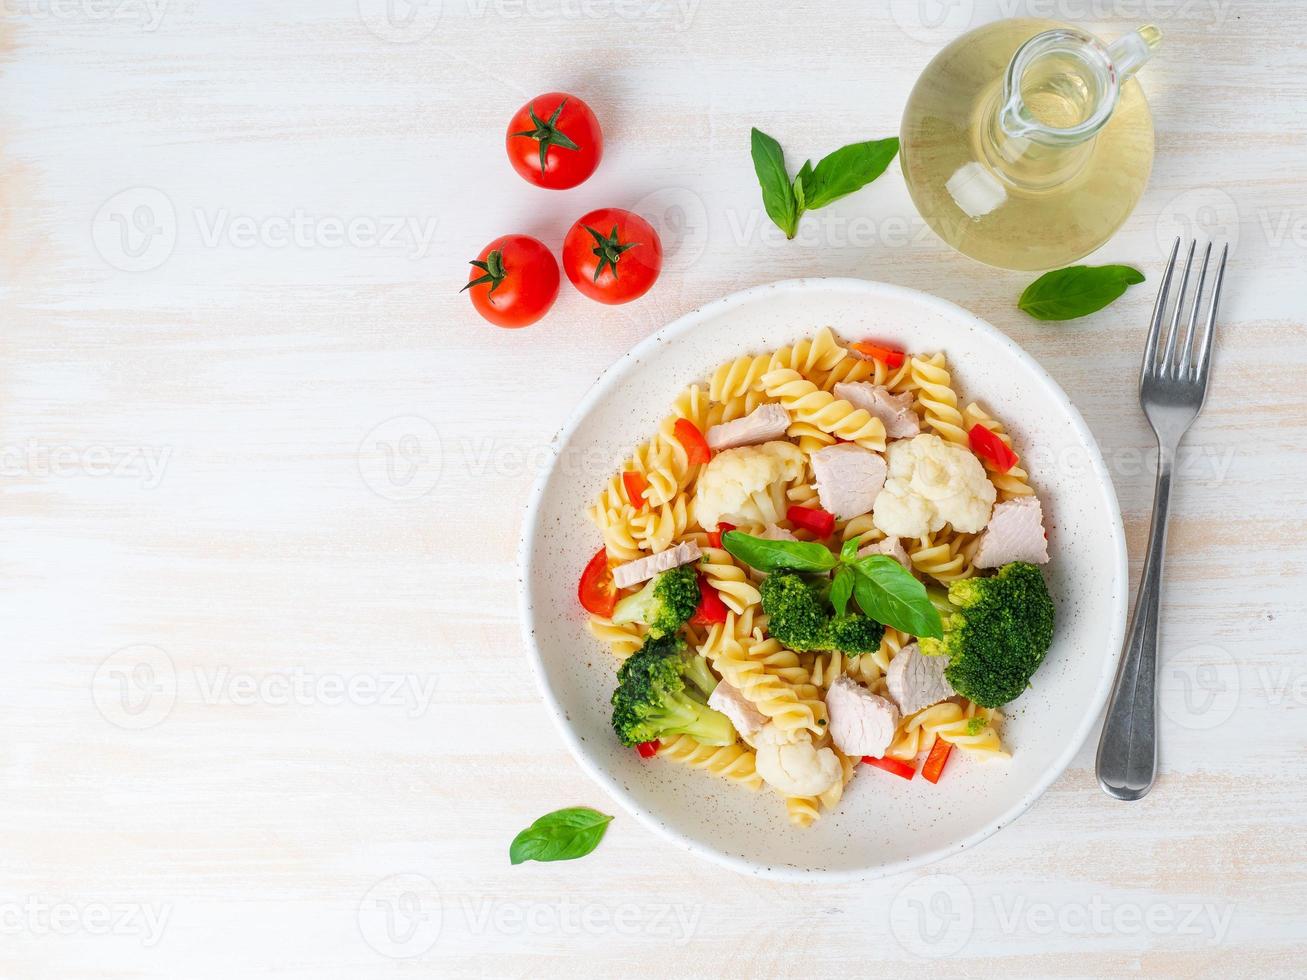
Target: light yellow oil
[[1057, 203]]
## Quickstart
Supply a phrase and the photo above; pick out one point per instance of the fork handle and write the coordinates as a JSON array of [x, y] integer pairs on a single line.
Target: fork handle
[[1127, 751]]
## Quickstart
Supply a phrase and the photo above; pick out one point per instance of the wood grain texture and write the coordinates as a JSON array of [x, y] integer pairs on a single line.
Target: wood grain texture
[[265, 707]]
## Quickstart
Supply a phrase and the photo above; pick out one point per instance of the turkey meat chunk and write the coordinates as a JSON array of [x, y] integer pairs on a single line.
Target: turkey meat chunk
[[1015, 533], [848, 479], [895, 411], [861, 723], [916, 681], [763, 424]]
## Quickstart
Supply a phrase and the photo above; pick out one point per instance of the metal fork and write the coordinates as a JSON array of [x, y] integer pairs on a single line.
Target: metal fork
[[1172, 388]]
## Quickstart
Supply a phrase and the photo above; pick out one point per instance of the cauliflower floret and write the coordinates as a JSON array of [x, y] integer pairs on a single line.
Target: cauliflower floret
[[930, 484], [747, 485], [792, 765]]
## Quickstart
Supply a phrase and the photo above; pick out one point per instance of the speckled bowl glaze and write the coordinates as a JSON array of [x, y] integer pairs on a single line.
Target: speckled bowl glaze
[[884, 824]]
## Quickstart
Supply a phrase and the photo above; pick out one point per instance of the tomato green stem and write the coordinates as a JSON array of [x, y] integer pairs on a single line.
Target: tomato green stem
[[494, 270], [547, 133], [608, 249]]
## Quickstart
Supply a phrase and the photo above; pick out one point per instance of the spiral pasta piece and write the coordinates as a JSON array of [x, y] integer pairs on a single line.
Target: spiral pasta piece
[[968, 726], [808, 403], [730, 580], [655, 528], [734, 762], [743, 664], [816, 354], [1015, 482], [943, 555], [622, 639], [937, 401]]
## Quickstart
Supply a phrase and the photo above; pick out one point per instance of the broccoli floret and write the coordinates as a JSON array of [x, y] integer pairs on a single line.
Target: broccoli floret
[[662, 690], [794, 613], [798, 615], [665, 604], [854, 634], [997, 635]]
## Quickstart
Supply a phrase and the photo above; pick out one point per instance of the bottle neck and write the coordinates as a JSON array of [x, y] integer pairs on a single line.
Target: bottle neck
[[1059, 91]]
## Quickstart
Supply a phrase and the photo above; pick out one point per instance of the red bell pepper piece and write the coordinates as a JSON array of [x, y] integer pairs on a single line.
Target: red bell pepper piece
[[715, 537], [934, 764], [891, 766], [891, 357], [689, 436], [597, 590], [819, 522], [993, 451], [711, 608], [648, 750], [636, 485]]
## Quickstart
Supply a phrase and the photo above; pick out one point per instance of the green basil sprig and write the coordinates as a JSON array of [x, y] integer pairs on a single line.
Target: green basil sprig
[[560, 836], [1065, 294], [835, 176], [881, 587]]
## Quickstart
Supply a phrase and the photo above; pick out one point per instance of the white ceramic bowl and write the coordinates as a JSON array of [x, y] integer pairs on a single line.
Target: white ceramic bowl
[[884, 824]]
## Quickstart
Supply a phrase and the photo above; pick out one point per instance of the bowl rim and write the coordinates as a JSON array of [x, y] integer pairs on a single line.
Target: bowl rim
[[684, 324]]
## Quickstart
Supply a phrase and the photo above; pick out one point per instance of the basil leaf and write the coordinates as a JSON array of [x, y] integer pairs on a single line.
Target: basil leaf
[[560, 836], [888, 593], [778, 556], [801, 180], [847, 170], [1077, 291], [777, 192], [850, 550], [841, 590]]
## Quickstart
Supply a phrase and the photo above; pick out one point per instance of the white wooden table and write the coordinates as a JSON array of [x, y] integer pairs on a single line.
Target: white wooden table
[[266, 710]]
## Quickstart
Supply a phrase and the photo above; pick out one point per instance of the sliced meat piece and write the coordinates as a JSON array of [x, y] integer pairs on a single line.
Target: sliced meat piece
[[774, 532], [887, 546], [763, 424], [1015, 533], [744, 716], [895, 411], [916, 681], [643, 569], [848, 479], [861, 723]]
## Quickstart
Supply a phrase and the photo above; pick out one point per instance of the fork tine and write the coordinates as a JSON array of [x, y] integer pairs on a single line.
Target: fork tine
[[1159, 310], [1167, 367], [1205, 358], [1183, 366]]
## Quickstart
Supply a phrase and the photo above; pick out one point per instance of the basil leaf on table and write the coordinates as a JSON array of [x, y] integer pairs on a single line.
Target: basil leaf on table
[[560, 836], [777, 192], [1065, 294], [841, 590], [836, 175], [848, 169], [778, 556], [889, 594]]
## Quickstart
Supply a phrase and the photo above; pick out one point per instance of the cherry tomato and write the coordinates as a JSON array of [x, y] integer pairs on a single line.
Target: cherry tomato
[[993, 451], [518, 282], [635, 485], [597, 590], [554, 141], [612, 255]]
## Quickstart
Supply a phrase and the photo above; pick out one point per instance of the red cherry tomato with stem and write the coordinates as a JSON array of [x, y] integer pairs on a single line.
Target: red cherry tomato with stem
[[518, 281], [554, 141], [612, 256]]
